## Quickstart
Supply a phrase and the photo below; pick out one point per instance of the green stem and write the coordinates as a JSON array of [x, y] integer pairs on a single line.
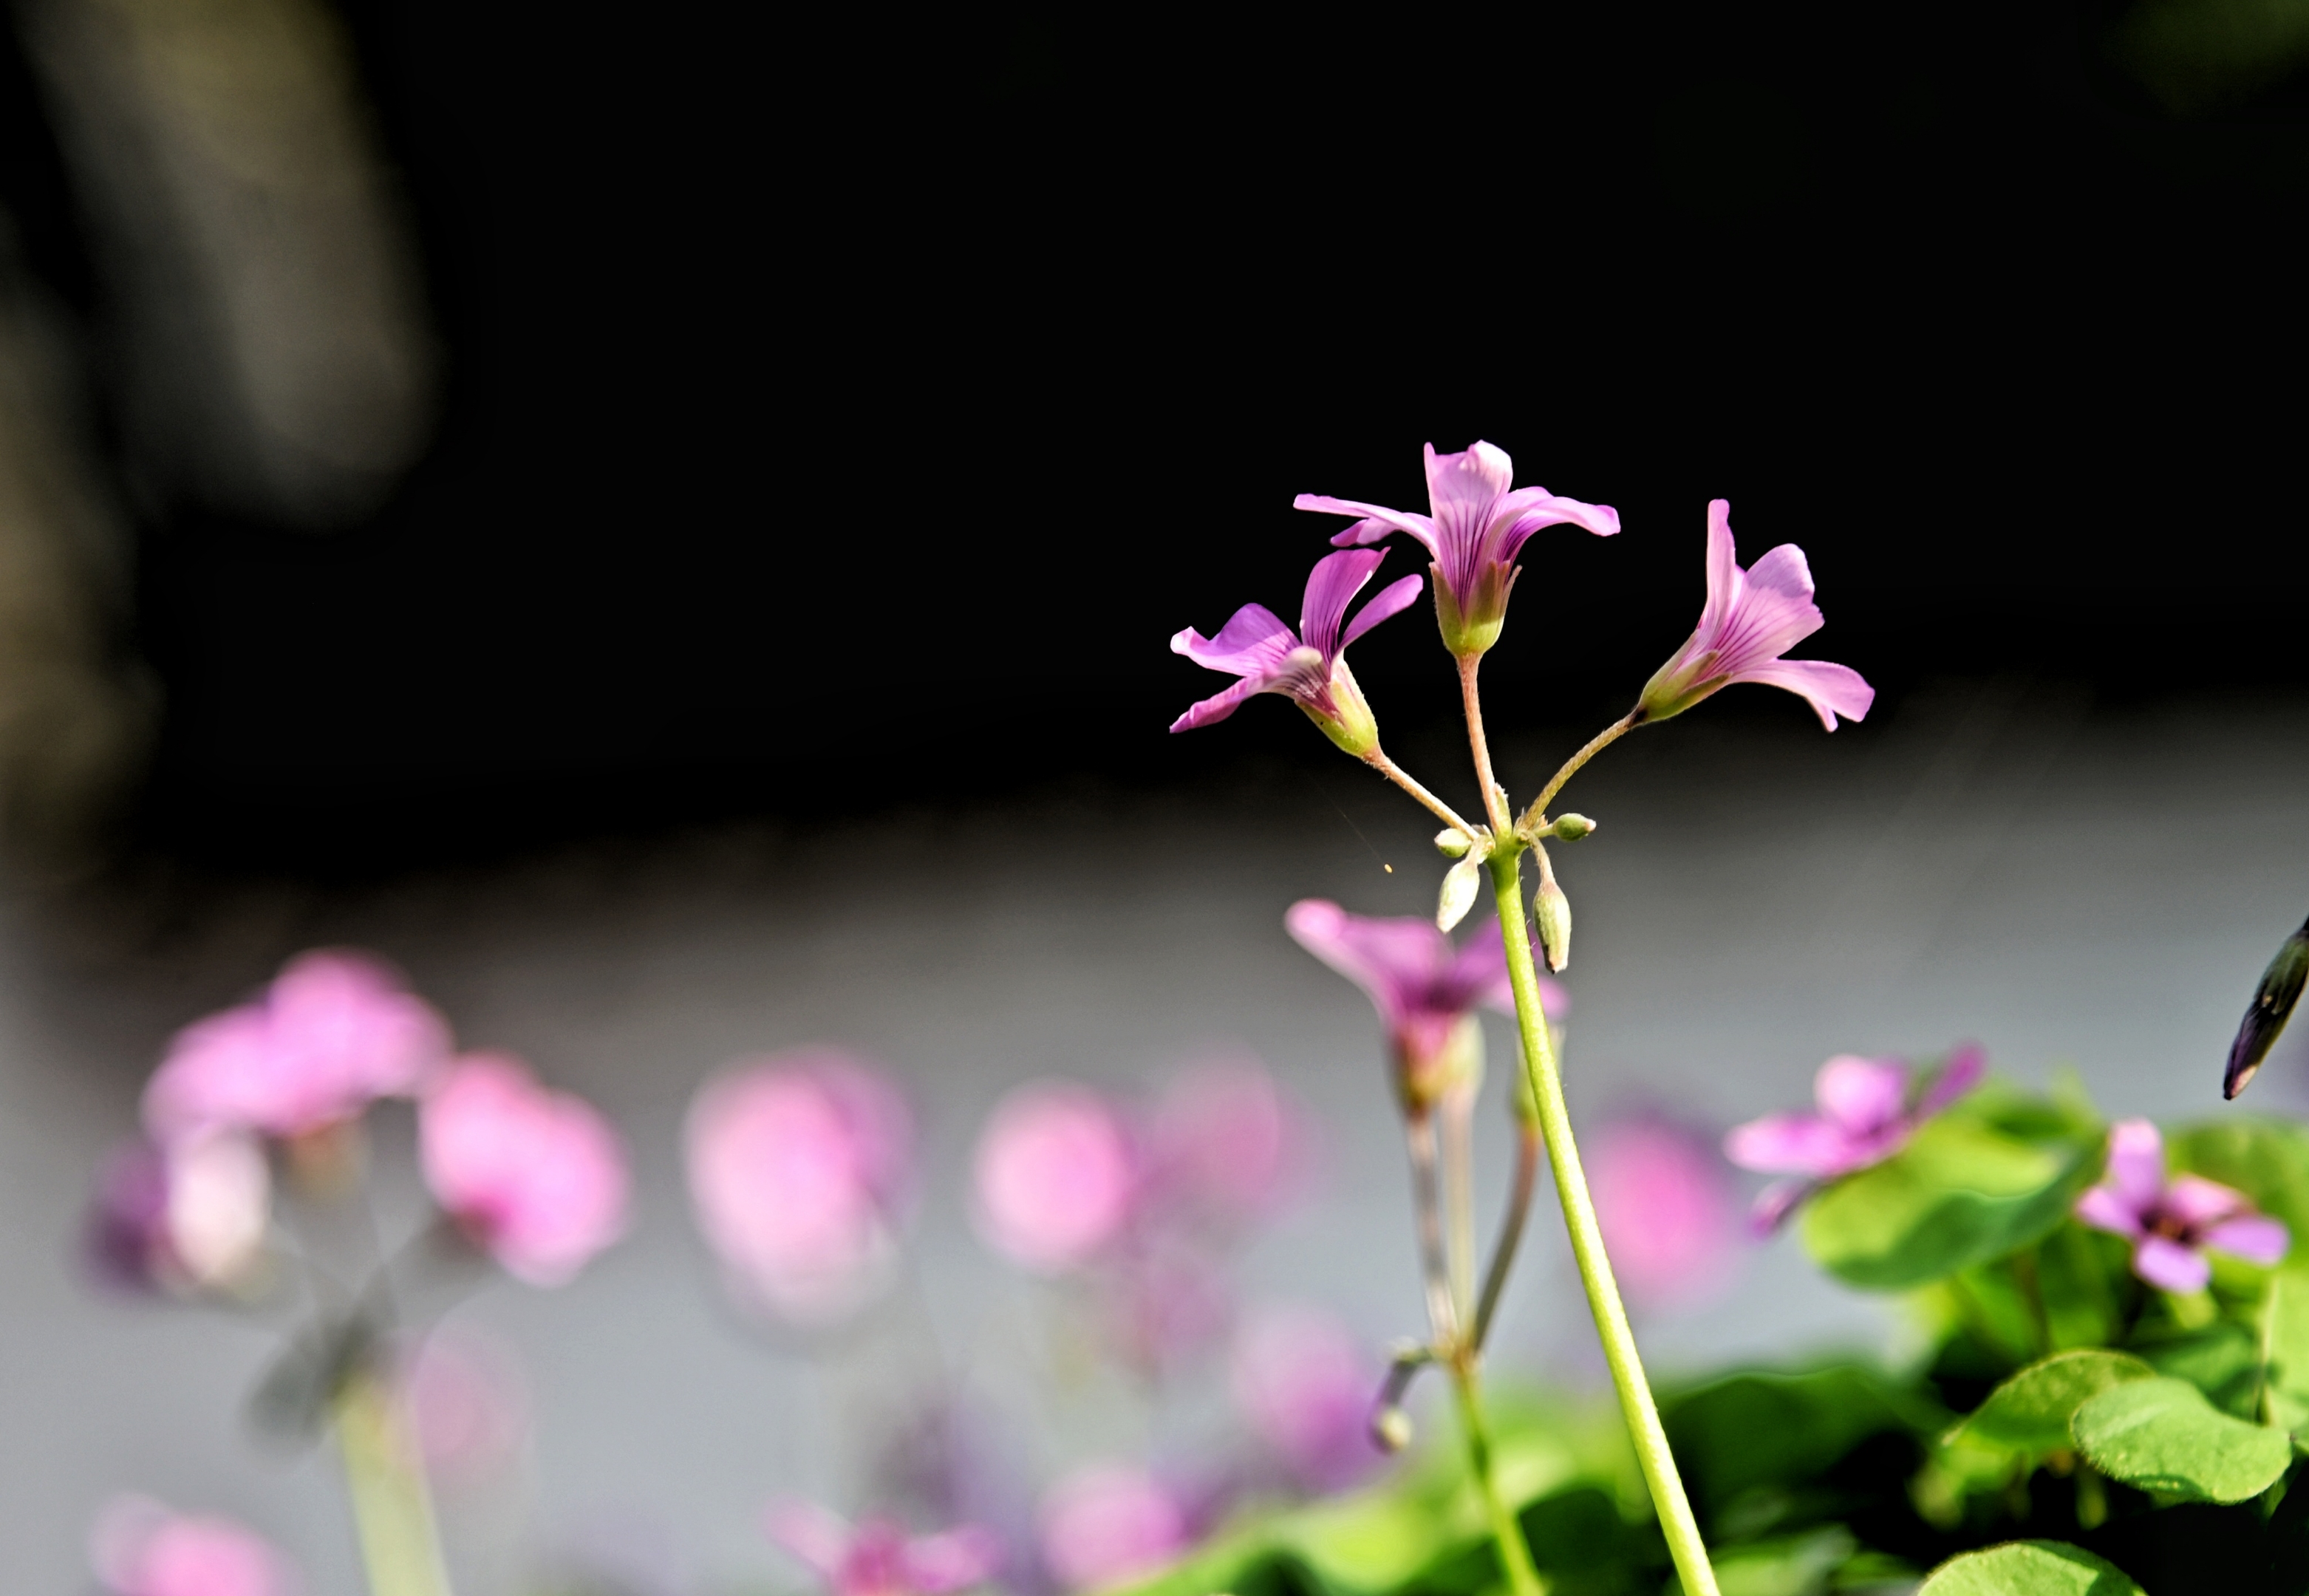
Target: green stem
[[400, 1547], [1503, 1251], [1515, 1553], [1642, 1414], [1595, 745]]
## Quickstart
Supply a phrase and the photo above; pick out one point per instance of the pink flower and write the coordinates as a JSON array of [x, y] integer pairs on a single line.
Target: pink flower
[[2171, 1223], [1869, 1108], [185, 1217], [1313, 674], [536, 1178], [1422, 987], [797, 1166], [139, 1547], [334, 1032], [1477, 525], [877, 1558], [1752, 617], [1666, 1210], [1225, 1145], [1056, 1175], [1109, 1522], [1306, 1392]]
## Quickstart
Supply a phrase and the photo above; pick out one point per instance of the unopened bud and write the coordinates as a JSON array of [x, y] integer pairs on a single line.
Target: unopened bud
[[1459, 895], [1570, 828], [2272, 1006], [1452, 842], [1390, 1429], [1553, 911]]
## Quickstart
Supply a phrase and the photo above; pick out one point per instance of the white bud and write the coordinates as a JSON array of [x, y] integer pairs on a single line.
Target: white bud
[[1452, 842], [1460, 883], [1553, 910]]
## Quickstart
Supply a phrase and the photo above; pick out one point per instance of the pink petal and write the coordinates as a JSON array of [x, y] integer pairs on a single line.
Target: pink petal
[[1305, 1388], [1376, 522], [2197, 1202], [2255, 1237], [1960, 1076], [1219, 705], [1527, 509], [1831, 690], [1391, 600], [1395, 962], [1462, 490], [1056, 1177], [1331, 585], [1862, 1097], [1725, 581], [818, 1536], [2104, 1209], [1478, 976], [1108, 1523], [953, 1559], [537, 1177], [2163, 1262], [1664, 1203], [1252, 643], [1788, 1144], [2136, 1163], [1774, 1203]]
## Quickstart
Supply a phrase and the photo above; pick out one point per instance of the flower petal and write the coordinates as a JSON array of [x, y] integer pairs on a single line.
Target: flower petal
[[1831, 690], [1463, 490], [1219, 705], [2163, 1262], [1377, 521], [1788, 1144], [1527, 509], [1335, 581], [1861, 1095], [1391, 600], [1395, 961], [2254, 1237], [2104, 1209], [1774, 1203], [2197, 1202], [1253, 642], [1957, 1076], [2136, 1163]]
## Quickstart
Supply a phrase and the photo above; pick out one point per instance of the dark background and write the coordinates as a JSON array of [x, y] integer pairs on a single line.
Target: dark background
[[843, 416]]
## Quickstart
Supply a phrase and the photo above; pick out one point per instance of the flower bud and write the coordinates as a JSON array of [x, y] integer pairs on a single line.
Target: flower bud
[[1390, 1428], [1430, 1066], [1570, 828], [1343, 713], [1553, 911], [1459, 895], [1452, 842], [2272, 1006]]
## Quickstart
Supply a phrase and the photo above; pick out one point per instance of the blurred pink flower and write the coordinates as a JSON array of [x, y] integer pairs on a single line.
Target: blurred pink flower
[[1751, 618], [1225, 1142], [1306, 1392], [1166, 1298], [2171, 1223], [466, 1404], [1057, 1177], [183, 1218], [1477, 525], [877, 1558], [537, 1178], [1270, 658], [1666, 1204], [140, 1548], [797, 1164], [334, 1032], [1864, 1117], [1109, 1522]]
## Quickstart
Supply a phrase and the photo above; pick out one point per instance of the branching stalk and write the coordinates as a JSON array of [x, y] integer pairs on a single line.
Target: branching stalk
[[1503, 1252], [1427, 1200], [1515, 1553], [1595, 745], [1379, 761], [1495, 803], [401, 1549]]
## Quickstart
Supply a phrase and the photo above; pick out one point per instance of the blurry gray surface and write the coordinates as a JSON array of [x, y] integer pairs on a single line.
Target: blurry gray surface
[[1985, 863]]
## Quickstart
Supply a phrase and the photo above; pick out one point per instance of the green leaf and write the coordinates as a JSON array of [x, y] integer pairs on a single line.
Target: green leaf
[[2161, 1434], [2030, 1412], [2287, 1309], [2223, 1360], [1961, 1194], [1762, 1429], [2267, 1159], [2077, 1272], [1792, 1565], [2028, 1568]]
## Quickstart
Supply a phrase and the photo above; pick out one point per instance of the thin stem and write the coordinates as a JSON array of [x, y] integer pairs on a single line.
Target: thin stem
[[1515, 1553], [1495, 803], [400, 1547], [1419, 1135], [1595, 745], [1434, 806], [1636, 1404], [1458, 1108], [1503, 1255]]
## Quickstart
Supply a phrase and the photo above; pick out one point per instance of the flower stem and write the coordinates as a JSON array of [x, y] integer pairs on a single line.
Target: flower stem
[[1458, 1111], [1503, 1253], [1434, 806], [1427, 1202], [1636, 1405], [1515, 1552], [1495, 803], [1595, 745], [400, 1547]]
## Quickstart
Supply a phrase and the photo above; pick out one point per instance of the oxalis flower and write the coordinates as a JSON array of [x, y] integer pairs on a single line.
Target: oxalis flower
[[878, 1557], [1476, 525], [1868, 1109], [2171, 1221], [1425, 989], [1752, 617], [1310, 665]]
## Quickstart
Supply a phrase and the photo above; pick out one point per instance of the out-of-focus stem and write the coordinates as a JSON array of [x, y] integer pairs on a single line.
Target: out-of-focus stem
[[1495, 804], [1595, 745], [1443, 1321], [1636, 1404], [1503, 1252], [1434, 806], [1515, 1553], [401, 1549], [1458, 1114]]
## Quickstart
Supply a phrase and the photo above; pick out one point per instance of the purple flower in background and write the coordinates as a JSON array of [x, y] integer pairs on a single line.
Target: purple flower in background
[[1666, 1205], [1752, 617], [141, 1548], [1476, 525], [1869, 1108], [2171, 1223], [1225, 1147], [334, 1032], [1308, 666], [877, 1556], [1306, 1390], [799, 1166], [185, 1217], [1423, 987], [1109, 1522], [1057, 1177]]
